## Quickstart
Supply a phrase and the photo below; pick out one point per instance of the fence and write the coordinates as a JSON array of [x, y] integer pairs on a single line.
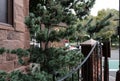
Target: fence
[[90, 69]]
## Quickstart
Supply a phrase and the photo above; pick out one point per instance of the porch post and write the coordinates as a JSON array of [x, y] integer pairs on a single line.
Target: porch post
[[91, 67]]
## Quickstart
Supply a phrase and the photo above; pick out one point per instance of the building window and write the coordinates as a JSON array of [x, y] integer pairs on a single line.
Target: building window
[[6, 11]]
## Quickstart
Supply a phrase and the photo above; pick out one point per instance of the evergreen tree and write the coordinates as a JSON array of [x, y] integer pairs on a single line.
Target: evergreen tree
[[45, 15]]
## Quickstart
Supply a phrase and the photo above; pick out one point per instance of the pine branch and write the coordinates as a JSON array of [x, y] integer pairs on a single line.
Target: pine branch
[[100, 25], [89, 22], [105, 19]]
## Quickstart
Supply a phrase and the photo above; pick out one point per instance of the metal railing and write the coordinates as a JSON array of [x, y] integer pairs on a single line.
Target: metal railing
[[95, 53]]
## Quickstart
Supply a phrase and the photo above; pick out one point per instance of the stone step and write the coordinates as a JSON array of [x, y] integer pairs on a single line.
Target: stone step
[[7, 57], [9, 62], [9, 65]]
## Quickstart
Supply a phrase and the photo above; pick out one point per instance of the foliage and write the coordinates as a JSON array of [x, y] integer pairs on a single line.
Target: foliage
[[19, 76], [58, 58], [2, 50], [81, 33], [44, 17], [89, 27], [41, 22], [109, 30], [100, 27], [51, 13], [19, 52], [3, 75]]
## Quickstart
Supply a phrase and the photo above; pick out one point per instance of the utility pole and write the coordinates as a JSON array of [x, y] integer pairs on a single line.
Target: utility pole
[[118, 72], [118, 29]]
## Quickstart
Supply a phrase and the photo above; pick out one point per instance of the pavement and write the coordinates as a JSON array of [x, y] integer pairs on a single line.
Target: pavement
[[111, 78], [114, 56]]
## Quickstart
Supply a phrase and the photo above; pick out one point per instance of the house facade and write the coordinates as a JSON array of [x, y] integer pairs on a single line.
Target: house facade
[[13, 32]]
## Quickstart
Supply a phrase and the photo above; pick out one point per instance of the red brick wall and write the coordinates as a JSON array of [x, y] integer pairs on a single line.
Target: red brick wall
[[14, 36], [8, 62]]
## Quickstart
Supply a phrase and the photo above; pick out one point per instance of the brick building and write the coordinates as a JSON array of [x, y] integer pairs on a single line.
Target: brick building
[[13, 32]]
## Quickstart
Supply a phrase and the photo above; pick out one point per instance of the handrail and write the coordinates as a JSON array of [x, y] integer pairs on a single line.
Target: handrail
[[80, 65]]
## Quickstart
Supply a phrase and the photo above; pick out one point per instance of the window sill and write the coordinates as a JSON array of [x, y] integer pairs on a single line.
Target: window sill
[[4, 26]]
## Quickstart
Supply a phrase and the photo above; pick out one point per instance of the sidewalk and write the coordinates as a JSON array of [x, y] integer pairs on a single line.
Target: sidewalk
[[114, 56], [111, 78]]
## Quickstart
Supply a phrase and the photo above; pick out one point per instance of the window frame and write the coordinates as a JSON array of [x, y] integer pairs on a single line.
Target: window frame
[[9, 13]]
